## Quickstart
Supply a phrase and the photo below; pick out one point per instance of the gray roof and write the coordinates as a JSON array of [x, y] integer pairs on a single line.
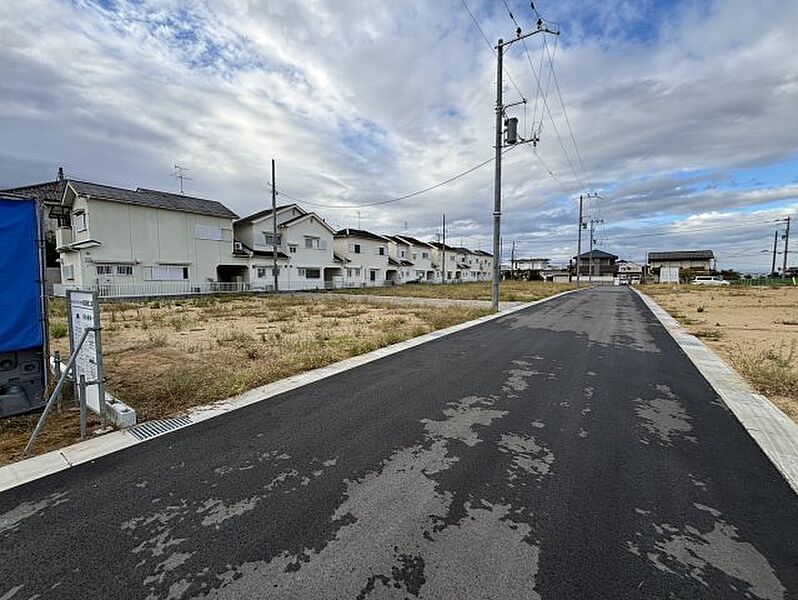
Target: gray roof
[[360, 233], [153, 199], [265, 213], [49, 192], [682, 255], [596, 254]]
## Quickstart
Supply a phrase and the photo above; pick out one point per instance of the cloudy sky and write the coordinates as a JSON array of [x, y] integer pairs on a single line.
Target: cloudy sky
[[684, 114]]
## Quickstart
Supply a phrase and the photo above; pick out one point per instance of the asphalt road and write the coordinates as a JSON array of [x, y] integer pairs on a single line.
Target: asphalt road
[[566, 451]]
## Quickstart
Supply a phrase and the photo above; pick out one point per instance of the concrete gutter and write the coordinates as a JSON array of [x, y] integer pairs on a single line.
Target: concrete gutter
[[30, 469], [774, 432]]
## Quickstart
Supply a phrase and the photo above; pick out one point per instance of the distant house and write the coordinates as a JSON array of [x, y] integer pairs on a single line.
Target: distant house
[[112, 238], [305, 256], [366, 255], [597, 262], [629, 272], [531, 264], [698, 261], [420, 253]]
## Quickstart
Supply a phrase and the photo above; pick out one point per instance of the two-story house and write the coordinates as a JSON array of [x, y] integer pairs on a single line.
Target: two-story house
[[399, 257], [420, 254], [366, 255], [305, 255], [131, 242]]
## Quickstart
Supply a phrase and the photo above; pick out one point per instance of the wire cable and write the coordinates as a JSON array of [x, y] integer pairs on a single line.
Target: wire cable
[[490, 46], [398, 198]]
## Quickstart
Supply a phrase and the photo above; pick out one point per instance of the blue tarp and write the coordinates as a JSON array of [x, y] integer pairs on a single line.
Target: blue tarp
[[20, 308]]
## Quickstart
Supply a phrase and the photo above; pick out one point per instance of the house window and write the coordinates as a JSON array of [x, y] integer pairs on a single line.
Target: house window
[[207, 232], [292, 249], [262, 272], [80, 221], [373, 275], [169, 272], [354, 248], [105, 269], [402, 253], [269, 239], [313, 273], [68, 272], [124, 270], [425, 255], [381, 250]]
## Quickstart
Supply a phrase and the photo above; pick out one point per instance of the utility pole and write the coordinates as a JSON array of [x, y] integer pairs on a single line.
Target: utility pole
[[593, 223], [512, 261], [443, 249], [512, 138], [275, 270], [786, 248], [775, 245], [580, 227]]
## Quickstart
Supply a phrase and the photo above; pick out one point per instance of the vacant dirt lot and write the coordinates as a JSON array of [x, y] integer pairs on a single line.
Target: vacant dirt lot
[[162, 357], [755, 329], [511, 291]]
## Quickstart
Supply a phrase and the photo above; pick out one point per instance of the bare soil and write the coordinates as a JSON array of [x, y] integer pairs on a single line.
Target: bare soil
[[755, 329], [163, 357]]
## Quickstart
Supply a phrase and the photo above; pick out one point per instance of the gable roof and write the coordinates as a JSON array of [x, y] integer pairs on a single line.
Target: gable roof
[[360, 233], [152, 199], [265, 213], [682, 255], [295, 220], [411, 240]]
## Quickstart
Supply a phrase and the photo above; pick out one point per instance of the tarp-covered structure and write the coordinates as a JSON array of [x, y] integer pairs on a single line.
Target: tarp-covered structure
[[21, 315]]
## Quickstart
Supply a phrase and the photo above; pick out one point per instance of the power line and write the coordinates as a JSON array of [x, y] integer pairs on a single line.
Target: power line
[[567, 120], [398, 198], [490, 47]]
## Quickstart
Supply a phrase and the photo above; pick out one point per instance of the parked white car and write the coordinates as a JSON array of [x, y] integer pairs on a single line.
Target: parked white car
[[709, 280]]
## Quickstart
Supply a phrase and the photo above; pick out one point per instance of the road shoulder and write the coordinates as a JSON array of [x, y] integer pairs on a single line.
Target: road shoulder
[[774, 432]]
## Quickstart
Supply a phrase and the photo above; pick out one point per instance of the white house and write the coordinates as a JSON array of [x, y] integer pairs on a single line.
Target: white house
[[420, 253], [629, 272], [366, 255], [305, 255], [131, 242]]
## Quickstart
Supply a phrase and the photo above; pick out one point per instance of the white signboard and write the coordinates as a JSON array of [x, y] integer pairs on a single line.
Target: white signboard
[[84, 313]]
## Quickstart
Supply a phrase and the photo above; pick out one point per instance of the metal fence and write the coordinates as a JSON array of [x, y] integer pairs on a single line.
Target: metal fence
[[153, 289], [774, 281]]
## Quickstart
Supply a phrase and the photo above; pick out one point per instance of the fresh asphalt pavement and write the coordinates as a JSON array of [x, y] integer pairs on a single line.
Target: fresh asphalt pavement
[[569, 450]]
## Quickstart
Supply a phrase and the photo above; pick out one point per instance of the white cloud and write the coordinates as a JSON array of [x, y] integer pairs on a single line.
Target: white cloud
[[360, 101]]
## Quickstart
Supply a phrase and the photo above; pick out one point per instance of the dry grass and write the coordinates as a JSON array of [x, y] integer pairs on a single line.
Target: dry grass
[[164, 357], [511, 291], [754, 328]]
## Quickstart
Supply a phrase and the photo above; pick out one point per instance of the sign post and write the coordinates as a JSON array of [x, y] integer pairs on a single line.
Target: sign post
[[83, 309]]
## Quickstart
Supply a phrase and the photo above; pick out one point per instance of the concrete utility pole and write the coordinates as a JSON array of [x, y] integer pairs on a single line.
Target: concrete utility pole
[[775, 245], [275, 269], [443, 248], [786, 248], [593, 223], [512, 261], [512, 138], [580, 227]]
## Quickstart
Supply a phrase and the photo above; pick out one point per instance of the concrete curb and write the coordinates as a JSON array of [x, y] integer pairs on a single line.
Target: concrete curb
[[774, 432], [36, 467]]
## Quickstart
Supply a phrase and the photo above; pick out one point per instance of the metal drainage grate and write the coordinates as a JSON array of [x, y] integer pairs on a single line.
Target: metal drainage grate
[[152, 429]]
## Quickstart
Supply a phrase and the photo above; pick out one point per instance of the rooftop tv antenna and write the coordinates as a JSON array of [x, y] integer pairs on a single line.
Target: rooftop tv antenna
[[180, 174]]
